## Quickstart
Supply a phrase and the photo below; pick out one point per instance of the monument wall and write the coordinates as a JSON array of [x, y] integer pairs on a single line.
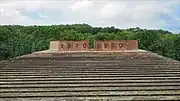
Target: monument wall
[[102, 45], [115, 45], [54, 46], [74, 45], [69, 45], [112, 45], [81, 45]]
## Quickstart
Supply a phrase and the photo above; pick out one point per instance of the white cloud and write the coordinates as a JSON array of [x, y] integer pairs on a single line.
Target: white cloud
[[120, 13], [110, 11], [81, 5]]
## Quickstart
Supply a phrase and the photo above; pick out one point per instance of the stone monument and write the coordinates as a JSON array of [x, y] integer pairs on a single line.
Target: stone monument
[[83, 45]]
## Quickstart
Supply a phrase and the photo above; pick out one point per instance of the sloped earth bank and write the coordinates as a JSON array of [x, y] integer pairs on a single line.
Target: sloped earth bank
[[89, 76]]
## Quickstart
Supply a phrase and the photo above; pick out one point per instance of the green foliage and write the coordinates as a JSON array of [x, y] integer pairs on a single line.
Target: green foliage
[[19, 40]]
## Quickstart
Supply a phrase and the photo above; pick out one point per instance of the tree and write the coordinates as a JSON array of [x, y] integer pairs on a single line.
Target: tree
[[19, 40]]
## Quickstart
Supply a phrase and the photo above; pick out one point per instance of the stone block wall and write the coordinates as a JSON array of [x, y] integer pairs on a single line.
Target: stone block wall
[[54, 46], [74, 45], [69, 45], [112, 45], [115, 45]]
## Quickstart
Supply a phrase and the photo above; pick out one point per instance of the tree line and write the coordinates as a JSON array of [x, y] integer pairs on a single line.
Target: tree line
[[18, 40]]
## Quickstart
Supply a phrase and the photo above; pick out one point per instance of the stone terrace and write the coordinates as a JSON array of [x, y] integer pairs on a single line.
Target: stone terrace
[[90, 76]]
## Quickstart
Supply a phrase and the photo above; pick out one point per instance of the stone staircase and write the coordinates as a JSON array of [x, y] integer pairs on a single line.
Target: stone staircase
[[90, 77]]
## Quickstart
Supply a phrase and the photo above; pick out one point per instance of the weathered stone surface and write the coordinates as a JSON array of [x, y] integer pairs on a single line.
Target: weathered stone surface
[[112, 45], [54, 46], [90, 76], [69, 45], [116, 45]]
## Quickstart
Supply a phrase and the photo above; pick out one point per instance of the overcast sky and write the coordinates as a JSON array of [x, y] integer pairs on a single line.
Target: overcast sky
[[156, 14]]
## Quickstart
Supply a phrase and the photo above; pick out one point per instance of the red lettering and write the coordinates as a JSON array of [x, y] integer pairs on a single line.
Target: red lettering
[[105, 45], [120, 45], [84, 45], [76, 45]]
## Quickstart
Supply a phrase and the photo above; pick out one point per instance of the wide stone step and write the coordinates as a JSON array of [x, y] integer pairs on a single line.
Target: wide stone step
[[143, 67], [113, 73], [88, 82], [90, 73], [23, 74], [59, 71], [80, 70], [92, 61], [19, 72], [90, 79], [98, 98], [87, 89], [46, 78], [97, 63], [93, 66], [92, 93], [89, 63], [6, 71], [89, 85], [94, 75], [92, 57], [95, 70], [89, 66]]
